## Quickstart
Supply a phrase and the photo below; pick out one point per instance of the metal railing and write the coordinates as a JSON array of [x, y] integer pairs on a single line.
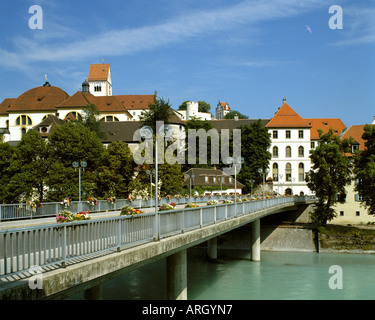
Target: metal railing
[[61, 244], [50, 209]]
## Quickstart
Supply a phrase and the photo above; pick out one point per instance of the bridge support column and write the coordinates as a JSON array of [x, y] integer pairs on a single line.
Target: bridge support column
[[255, 240], [177, 276], [94, 293], [212, 249]]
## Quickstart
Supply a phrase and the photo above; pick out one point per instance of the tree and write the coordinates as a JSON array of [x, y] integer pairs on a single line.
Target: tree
[[68, 143], [364, 170], [29, 167], [116, 170], [330, 174], [160, 110], [203, 106], [6, 154], [231, 114], [90, 121], [255, 142]]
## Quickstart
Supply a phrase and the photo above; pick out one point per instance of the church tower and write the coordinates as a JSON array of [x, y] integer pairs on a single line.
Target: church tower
[[100, 80]]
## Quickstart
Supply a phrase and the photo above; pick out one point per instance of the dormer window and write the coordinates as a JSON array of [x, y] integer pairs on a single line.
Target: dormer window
[[355, 147]]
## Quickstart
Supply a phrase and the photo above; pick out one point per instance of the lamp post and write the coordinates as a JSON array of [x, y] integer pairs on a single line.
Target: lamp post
[[150, 173], [190, 177], [291, 184], [276, 178], [280, 178], [81, 166], [263, 172], [235, 163]]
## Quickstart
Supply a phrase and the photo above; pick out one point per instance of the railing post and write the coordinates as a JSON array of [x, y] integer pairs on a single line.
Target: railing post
[[201, 218], [119, 235], [64, 248]]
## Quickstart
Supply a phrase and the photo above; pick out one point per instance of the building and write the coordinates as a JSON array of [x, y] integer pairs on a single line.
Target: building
[[100, 79], [202, 177], [290, 147], [192, 111], [222, 109], [352, 211]]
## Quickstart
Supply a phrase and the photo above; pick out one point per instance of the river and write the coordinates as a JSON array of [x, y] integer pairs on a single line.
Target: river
[[279, 275]]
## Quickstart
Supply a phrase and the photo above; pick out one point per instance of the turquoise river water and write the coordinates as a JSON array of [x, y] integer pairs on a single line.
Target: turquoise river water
[[279, 275]]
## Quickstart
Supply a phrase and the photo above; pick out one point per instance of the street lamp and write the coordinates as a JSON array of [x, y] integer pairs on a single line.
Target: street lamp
[[150, 173], [80, 165], [190, 177], [264, 173], [235, 163], [276, 178]]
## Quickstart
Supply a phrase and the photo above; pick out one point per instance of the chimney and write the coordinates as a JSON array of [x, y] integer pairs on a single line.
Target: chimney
[[236, 117]]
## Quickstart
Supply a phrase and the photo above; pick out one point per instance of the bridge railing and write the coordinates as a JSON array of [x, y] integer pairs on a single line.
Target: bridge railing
[[57, 245]]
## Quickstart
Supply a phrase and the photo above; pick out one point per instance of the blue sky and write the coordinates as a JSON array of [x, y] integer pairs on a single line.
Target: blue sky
[[251, 54]]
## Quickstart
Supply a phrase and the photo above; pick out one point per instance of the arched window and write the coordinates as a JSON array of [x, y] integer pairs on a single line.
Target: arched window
[[288, 172], [24, 121], [46, 116], [275, 172], [301, 151], [288, 152], [301, 172], [109, 119], [74, 115], [23, 131], [275, 152]]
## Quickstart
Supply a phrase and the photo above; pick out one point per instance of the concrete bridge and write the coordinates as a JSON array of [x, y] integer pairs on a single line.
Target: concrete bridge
[[56, 261]]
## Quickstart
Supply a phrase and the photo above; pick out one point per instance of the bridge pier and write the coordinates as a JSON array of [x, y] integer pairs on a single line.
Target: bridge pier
[[177, 276], [212, 249], [255, 240], [94, 293]]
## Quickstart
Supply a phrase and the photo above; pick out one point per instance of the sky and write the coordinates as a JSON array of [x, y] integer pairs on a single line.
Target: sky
[[249, 53]]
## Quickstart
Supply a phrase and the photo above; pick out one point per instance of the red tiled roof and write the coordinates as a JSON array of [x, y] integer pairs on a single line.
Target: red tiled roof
[[98, 72], [325, 124], [39, 98], [134, 101], [5, 105], [286, 117], [356, 133]]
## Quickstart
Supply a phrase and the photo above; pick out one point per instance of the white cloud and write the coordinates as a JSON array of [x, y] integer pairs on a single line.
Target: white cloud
[[52, 47]]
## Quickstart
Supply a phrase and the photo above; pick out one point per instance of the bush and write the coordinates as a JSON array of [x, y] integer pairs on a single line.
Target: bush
[[68, 216], [129, 211], [167, 206]]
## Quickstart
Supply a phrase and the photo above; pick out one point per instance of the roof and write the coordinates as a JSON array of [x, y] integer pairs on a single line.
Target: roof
[[136, 102], [39, 99], [120, 130], [286, 117], [234, 124], [356, 133], [201, 173], [99, 72], [104, 104], [325, 124], [51, 121], [5, 105]]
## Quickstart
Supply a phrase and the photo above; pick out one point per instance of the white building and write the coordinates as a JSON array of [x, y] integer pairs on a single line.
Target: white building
[[222, 109], [290, 149], [100, 79], [192, 111]]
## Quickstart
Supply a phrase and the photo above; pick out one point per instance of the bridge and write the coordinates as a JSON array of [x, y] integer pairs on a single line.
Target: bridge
[[55, 261]]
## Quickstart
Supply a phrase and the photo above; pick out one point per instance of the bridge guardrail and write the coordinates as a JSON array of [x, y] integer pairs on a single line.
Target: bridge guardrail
[[59, 244]]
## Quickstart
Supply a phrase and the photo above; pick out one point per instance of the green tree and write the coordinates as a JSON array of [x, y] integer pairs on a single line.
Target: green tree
[[6, 154], [255, 142], [72, 142], [29, 167], [116, 171], [203, 106], [364, 170], [330, 174], [160, 110], [90, 120], [231, 114]]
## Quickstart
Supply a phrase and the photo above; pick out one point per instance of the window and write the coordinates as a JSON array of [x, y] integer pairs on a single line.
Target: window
[[288, 172], [98, 88], [46, 116], [300, 134], [341, 213], [287, 134], [206, 179], [274, 134], [301, 172], [288, 152], [357, 213], [301, 151], [74, 115], [109, 119], [355, 147], [275, 172], [312, 144], [23, 131], [24, 121], [275, 152]]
